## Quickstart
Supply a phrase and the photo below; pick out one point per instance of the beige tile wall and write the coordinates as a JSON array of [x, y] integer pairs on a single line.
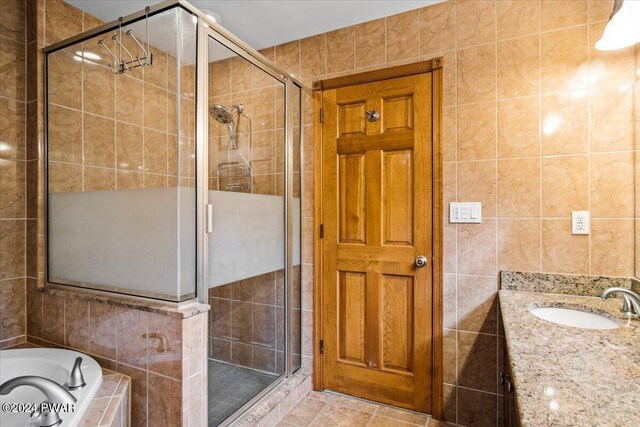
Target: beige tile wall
[[537, 123], [636, 109], [13, 172], [111, 131]]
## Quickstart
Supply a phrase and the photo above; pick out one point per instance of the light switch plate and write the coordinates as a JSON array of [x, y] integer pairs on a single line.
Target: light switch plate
[[580, 222], [468, 212]]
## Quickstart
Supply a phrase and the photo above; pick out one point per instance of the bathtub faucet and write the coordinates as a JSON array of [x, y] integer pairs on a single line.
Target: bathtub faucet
[[76, 379], [53, 392]]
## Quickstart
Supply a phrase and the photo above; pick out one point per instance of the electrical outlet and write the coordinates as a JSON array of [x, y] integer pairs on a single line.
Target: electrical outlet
[[580, 222]]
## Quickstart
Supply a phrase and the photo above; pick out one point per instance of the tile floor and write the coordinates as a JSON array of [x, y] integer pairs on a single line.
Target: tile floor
[[331, 409], [230, 387]]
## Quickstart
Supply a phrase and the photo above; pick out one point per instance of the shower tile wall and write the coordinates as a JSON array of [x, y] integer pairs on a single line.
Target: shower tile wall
[[247, 322], [14, 218], [235, 81]]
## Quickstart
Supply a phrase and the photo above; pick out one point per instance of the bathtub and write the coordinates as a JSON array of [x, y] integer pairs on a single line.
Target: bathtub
[[55, 365]]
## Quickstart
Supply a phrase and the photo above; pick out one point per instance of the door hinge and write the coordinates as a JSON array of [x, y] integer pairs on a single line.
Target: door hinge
[[321, 115], [321, 346], [322, 231]]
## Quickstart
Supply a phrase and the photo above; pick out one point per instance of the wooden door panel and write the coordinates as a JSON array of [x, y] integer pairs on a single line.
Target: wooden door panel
[[397, 322], [373, 210], [351, 313], [351, 119], [397, 198], [376, 211], [397, 113], [351, 179]]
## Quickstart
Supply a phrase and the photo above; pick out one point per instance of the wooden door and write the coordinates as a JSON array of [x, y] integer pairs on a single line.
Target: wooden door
[[377, 196]]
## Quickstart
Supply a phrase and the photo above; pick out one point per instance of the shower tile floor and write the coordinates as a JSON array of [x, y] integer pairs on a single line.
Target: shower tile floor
[[230, 387]]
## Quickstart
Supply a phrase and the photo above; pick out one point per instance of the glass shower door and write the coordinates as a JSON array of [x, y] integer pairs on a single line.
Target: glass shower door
[[247, 246]]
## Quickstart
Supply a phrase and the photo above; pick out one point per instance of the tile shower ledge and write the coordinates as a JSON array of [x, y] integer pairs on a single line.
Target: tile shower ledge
[[183, 310], [571, 376]]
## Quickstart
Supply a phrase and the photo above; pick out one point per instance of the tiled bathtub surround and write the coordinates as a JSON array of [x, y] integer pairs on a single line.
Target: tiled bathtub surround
[[110, 407], [13, 172], [162, 350], [247, 322], [562, 283]]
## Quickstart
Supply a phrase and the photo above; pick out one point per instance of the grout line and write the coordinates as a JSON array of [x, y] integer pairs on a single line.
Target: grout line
[[540, 136], [456, 228], [590, 142]]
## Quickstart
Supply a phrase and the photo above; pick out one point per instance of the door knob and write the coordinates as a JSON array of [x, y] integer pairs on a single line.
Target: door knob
[[421, 261], [372, 115]]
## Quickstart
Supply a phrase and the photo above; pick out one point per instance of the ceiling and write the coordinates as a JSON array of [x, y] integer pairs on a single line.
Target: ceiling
[[265, 23]]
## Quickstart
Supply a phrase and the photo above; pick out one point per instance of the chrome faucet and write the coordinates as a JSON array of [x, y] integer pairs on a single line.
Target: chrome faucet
[[53, 392], [631, 304], [76, 379]]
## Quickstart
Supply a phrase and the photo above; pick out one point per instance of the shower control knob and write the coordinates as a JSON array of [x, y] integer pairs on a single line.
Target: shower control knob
[[421, 261]]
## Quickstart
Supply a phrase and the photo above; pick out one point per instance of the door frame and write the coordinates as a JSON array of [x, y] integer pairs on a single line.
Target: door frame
[[435, 67]]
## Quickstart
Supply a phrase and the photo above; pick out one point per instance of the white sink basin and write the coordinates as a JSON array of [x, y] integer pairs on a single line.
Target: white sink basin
[[575, 318]]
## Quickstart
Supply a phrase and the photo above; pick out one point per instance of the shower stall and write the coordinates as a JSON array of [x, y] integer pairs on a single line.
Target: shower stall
[[173, 172]]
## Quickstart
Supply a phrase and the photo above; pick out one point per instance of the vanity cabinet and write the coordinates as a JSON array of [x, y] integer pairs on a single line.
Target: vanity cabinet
[[509, 408]]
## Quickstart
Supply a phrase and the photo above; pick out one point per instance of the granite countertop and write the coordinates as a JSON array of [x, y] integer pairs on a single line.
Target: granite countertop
[[566, 376]]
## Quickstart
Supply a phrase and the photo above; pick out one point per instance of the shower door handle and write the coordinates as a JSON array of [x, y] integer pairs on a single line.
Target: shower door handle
[[209, 218]]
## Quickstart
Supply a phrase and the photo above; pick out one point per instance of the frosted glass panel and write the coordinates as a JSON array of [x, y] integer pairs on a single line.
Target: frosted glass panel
[[121, 159], [245, 245]]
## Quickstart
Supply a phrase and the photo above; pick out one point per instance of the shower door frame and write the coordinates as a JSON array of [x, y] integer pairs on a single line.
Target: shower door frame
[[207, 29]]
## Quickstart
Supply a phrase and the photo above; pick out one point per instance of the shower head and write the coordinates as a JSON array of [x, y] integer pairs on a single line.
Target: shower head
[[222, 114]]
